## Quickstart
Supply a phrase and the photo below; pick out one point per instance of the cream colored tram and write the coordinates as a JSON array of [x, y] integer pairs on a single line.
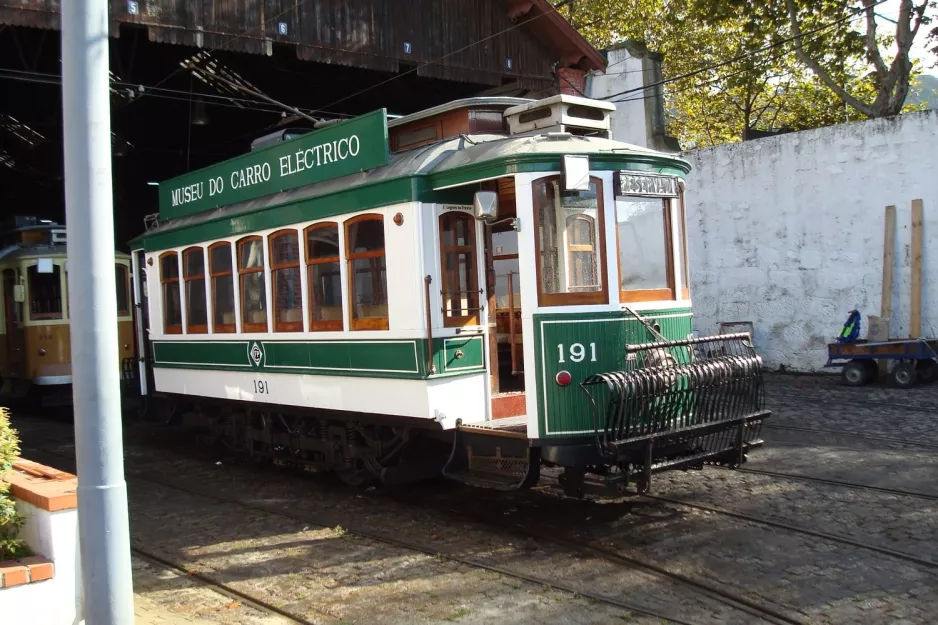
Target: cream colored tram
[[35, 351]]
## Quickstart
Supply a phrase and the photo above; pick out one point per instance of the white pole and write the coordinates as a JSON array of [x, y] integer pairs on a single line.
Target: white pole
[[102, 493]]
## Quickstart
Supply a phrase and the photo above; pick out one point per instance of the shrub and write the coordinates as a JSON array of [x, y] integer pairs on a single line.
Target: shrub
[[10, 521]]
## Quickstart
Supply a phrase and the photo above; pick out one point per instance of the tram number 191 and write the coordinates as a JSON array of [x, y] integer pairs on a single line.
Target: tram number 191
[[577, 352], [261, 387]]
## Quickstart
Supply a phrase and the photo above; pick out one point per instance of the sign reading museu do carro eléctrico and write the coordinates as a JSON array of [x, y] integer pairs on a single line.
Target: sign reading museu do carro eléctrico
[[345, 148]]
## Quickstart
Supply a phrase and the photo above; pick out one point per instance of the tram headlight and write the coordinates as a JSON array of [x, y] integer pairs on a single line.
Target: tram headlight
[[563, 378]]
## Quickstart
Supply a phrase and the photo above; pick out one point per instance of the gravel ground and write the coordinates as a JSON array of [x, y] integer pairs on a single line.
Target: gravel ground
[[328, 574]]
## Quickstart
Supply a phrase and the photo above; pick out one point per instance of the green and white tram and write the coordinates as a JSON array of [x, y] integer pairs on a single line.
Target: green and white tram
[[495, 278]]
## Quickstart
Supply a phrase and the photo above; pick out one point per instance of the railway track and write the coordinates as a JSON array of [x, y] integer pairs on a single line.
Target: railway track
[[853, 401], [726, 598], [844, 540], [830, 482], [859, 435]]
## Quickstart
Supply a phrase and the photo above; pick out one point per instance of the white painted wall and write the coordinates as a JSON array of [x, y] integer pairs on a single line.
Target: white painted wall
[[787, 232], [623, 72], [56, 601]]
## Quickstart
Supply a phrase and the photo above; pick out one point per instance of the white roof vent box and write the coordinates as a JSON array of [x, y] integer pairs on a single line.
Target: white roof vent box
[[561, 113]]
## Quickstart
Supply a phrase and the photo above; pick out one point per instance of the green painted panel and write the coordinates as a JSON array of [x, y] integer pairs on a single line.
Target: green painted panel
[[359, 198], [584, 345], [225, 354], [405, 358], [461, 354], [345, 148]]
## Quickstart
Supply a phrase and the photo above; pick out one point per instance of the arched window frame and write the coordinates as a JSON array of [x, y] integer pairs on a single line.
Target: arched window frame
[[318, 325], [284, 326], [221, 328], [166, 282], [191, 328], [578, 297], [447, 288], [367, 323], [248, 326]]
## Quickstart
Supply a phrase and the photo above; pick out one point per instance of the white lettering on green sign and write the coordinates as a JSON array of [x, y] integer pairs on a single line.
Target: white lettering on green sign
[[338, 150]]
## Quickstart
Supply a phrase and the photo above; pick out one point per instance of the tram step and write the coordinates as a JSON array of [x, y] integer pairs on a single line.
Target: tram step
[[493, 457]]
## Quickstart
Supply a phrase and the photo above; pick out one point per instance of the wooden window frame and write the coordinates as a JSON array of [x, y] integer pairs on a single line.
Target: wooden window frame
[[220, 328], [331, 325], [682, 215], [124, 312], [59, 316], [284, 326], [583, 297], [370, 323], [647, 295], [450, 321], [186, 278], [245, 325], [167, 328]]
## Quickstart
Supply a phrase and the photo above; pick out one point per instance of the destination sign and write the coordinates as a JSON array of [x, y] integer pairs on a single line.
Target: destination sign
[[635, 183], [338, 150]]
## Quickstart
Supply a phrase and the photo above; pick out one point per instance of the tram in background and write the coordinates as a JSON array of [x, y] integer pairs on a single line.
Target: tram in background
[[493, 276], [35, 351]]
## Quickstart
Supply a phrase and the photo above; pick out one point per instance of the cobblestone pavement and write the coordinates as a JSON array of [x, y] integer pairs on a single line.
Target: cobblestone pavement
[[331, 576]]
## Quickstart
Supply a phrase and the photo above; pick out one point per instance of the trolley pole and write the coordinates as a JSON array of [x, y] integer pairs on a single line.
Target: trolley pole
[[104, 534]]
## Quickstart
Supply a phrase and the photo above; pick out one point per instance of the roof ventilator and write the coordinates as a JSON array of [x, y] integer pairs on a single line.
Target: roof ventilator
[[561, 116]]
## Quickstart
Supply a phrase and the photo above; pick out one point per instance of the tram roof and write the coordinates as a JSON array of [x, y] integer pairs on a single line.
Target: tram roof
[[20, 251], [446, 172]]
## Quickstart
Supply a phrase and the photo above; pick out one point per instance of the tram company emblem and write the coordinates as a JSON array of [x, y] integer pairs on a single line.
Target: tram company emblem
[[256, 354]]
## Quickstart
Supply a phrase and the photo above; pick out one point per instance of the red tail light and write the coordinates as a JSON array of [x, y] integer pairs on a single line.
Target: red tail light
[[563, 378]]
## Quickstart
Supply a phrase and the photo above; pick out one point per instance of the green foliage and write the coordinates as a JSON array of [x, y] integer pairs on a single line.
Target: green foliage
[[767, 88], [10, 521]]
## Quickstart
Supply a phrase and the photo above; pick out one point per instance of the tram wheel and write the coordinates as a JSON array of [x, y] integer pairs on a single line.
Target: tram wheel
[[904, 375], [926, 371], [855, 373]]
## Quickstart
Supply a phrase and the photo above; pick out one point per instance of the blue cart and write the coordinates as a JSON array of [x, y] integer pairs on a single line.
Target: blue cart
[[914, 360]]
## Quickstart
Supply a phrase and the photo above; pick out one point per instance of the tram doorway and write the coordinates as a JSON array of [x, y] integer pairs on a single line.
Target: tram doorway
[[13, 315], [506, 342]]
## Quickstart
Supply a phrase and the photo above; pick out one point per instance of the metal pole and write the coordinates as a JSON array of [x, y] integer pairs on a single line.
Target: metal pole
[[102, 493]]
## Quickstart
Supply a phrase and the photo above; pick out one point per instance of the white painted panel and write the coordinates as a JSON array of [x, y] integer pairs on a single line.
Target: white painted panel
[[458, 398], [377, 395]]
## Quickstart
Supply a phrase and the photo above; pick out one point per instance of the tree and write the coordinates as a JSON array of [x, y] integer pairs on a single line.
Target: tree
[[890, 80], [708, 100]]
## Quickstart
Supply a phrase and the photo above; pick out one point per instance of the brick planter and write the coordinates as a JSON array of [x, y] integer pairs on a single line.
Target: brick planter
[[44, 588]]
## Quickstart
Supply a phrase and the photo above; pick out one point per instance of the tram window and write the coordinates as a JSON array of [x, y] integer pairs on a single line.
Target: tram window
[[323, 279], [570, 259], [284, 248], [45, 293], [364, 239], [643, 230], [169, 279], [223, 311], [253, 286], [122, 280], [460, 289], [193, 268]]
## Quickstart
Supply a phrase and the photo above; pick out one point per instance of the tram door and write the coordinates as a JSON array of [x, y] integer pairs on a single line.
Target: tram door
[[142, 325], [507, 340], [13, 313]]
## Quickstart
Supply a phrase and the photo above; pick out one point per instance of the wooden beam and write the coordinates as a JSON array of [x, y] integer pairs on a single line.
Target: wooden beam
[[915, 317], [889, 260]]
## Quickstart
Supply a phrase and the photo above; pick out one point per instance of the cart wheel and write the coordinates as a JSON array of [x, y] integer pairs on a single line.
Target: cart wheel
[[872, 370], [855, 373], [926, 371], [904, 375]]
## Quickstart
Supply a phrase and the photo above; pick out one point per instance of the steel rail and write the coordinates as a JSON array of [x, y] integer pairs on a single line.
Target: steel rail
[[901, 555], [860, 435], [822, 480]]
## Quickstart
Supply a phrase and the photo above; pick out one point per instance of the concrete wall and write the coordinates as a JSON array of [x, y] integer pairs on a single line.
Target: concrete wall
[[637, 120], [787, 232], [57, 601]]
